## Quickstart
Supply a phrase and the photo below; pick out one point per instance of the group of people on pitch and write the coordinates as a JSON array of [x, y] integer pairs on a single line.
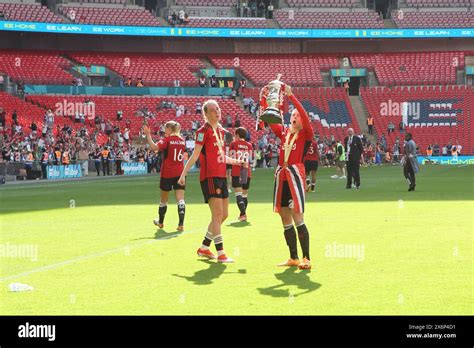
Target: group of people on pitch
[[290, 176]]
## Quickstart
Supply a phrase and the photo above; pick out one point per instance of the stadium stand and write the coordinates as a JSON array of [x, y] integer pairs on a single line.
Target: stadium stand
[[434, 19], [206, 22], [297, 70], [107, 107], [120, 2], [35, 67], [28, 13], [324, 3], [412, 68], [434, 114], [311, 19], [155, 70], [27, 112], [220, 3], [109, 15], [439, 3], [329, 109]]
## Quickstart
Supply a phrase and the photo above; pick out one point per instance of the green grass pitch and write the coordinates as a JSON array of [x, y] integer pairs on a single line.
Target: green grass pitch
[[379, 250]]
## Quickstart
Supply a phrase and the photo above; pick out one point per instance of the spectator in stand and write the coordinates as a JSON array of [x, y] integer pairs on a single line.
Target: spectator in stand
[[33, 128], [237, 123], [253, 8], [139, 82], [401, 127], [3, 115], [242, 85], [174, 18], [179, 112], [108, 128], [15, 118], [177, 83], [391, 127], [229, 121], [270, 11], [198, 108], [346, 86], [234, 95], [213, 81], [185, 21], [261, 9], [119, 115], [450, 148], [202, 81], [458, 147], [129, 82]]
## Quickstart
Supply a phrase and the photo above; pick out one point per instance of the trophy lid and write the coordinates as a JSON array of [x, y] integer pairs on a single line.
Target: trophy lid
[[277, 80]]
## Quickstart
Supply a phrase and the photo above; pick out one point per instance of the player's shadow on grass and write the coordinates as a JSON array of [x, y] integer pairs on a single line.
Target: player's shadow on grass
[[291, 278], [239, 224], [162, 234], [205, 276]]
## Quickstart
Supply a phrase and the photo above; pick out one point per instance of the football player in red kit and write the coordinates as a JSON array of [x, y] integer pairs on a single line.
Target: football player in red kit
[[311, 161], [242, 150], [172, 147], [289, 189], [209, 148]]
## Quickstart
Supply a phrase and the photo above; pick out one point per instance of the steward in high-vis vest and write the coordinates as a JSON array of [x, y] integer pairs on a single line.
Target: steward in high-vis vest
[[57, 157], [105, 154], [370, 124], [66, 158]]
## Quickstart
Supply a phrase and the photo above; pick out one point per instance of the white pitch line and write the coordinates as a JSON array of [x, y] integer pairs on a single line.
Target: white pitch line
[[87, 257]]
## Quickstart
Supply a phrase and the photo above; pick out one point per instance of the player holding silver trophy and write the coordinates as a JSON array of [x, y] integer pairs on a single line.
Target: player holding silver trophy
[[290, 176]]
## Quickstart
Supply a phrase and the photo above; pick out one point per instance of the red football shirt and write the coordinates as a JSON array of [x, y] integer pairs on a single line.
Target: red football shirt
[[240, 149], [304, 135], [173, 148], [313, 153], [212, 162]]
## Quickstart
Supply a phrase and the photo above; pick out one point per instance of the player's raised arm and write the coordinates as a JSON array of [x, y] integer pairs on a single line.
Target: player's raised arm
[[305, 121], [194, 157], [149, 140]]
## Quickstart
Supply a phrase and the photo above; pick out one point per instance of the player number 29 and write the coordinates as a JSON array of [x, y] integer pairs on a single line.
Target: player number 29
[[178, 156]]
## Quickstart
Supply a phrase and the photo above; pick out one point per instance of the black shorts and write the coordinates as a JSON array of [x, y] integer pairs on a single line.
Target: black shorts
[[214, 187], [310, 165], [286, 198], [168, 184], [236, 183], [228, 166]]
